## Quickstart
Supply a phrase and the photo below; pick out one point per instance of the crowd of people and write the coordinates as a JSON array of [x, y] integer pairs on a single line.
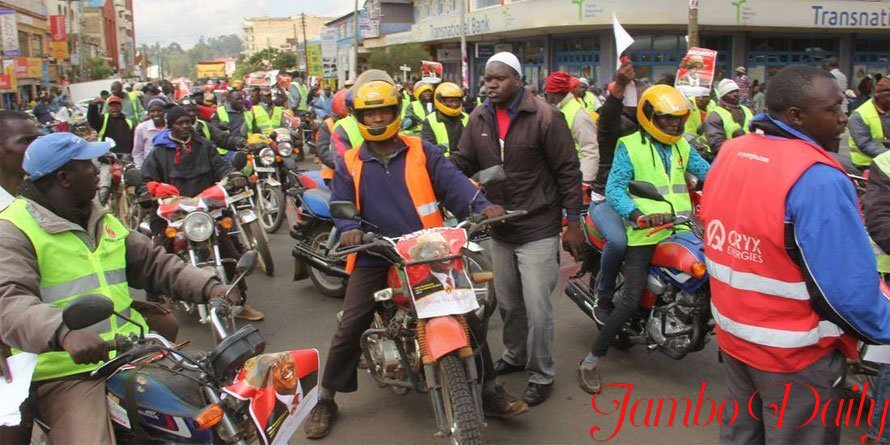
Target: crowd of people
[[403, 152]]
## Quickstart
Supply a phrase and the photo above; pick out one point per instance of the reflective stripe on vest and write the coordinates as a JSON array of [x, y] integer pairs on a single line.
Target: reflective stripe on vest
[[441, 132], [326, 172], [304, 95], [730, 126], [882, 161], [759, 297], [872, 119], [648, 166], [105, 126], [569, 109], [70, 270], [265, 123], [205, 129]]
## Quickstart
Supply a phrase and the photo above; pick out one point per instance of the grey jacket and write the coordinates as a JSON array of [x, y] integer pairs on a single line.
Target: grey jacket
[[862, 135], [30, 325], [714, 128]]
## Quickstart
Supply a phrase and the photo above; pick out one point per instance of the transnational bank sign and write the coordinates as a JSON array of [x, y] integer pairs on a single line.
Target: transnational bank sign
[[847, 18]]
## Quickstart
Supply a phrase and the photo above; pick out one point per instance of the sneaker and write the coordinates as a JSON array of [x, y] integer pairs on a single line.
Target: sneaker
[[589, 378], [321, 419], [250, 314], [602, 308], [499, 403]]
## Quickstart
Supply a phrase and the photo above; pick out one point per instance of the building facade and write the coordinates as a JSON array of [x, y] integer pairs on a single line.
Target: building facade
[[283, 33], [576, 35]]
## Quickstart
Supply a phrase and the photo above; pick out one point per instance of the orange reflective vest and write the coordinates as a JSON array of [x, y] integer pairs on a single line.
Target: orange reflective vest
[[327, 172], [417, 178]]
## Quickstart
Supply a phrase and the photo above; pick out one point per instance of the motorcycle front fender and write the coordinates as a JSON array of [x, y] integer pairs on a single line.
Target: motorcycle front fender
[[272, 182], [474, 247], [444, 335], [247, 216]]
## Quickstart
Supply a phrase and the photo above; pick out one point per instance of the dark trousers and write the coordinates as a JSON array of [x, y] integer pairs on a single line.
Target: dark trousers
[[340, 373], [825, 377], [636, 272], [229, 247]]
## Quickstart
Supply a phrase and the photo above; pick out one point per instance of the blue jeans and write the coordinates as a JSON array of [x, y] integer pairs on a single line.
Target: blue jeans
[[881, 394], [612, 228]]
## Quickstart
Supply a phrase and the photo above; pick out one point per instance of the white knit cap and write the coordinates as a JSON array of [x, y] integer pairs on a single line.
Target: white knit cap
[[726, 86], [584, 81], [508, 59]]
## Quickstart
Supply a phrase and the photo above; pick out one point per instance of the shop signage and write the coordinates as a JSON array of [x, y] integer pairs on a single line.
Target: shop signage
[[9, 32]]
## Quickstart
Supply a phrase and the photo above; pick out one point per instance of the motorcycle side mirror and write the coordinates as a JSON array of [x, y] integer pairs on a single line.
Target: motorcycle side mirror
[[692, 181], [492, 175], [87, 311], [645, 190], [239, 160], [343, 210], [247, 263]]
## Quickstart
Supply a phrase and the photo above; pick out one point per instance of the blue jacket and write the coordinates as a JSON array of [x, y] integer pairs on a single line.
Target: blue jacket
[[322, 105], [385, 201], [623, 172]]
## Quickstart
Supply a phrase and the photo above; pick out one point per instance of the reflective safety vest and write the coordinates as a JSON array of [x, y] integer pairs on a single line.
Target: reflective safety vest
[[265, 123], [590, 100], [419, 109], [870, 116], [326, 172], [203, 128], [304, 95], [441, 133], [648, 167], [134, 102], [69, 269], [882, 161], [223, 115], [730, 126], [696, 117], [417, 178], [759, 297], [349, 124], [105, 126], [569, 109]]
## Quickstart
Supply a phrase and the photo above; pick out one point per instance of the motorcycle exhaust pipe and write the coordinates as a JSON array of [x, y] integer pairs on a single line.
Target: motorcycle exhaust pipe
[[319, 262], [579, 292]]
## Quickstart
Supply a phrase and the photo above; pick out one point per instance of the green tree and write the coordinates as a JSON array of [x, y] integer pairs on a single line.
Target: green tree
[[390, 58], [98, 68]]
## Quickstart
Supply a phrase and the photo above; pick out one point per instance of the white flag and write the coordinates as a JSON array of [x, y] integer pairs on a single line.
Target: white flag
[[623, 40]]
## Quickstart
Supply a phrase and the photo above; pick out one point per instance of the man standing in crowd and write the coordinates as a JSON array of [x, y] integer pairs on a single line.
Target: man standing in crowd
[[232, 119], [588, 100], [741, 79], [869, 124], [322, 103], [17, 130], [833, 67], [556, 91], [131, 105], [730, 119], [146, 131], [533, 143], [445, 126], [794, 303], [298, 93]]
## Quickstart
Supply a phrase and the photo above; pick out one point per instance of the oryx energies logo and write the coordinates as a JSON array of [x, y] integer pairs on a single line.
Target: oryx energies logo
[[737, 244]]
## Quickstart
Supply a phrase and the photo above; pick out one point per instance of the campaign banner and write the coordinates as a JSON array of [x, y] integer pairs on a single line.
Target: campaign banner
[[430, 71], [59, 50], [57, 29], [9, 73], [315, 65], [696, 74], [9, 32], [28, 67]]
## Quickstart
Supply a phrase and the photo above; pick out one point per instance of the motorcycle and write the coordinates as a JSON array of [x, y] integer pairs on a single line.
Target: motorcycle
[[158, 393], [674, 315], [419, 338], [122, 200], [306, 128], [284, 137], [265, 164]]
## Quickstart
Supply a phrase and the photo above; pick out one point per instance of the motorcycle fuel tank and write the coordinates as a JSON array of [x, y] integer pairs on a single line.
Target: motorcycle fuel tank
[[317, 201], [677, 256]]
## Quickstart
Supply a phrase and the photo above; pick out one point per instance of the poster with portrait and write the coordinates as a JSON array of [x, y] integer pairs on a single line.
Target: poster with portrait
[[442, 287], [696, 74], [430, 72], [282, 389]]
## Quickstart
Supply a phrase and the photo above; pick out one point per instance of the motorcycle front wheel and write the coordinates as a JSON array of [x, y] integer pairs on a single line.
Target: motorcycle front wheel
[[327, 285], [256, 239], [271, 205], [460, 405]]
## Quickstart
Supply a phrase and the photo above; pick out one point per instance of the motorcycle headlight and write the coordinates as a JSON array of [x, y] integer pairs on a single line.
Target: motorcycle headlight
[[285, 149], [267, 156], [198, 226]]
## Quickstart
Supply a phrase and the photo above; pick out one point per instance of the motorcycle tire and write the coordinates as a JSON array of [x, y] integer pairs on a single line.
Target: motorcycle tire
[[488, 302], [460, 405], [257, 240], [326, 285], [271, 198]]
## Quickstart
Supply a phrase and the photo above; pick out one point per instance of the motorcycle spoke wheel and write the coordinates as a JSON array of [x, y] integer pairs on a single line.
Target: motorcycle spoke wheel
[[460, 405], [327, 285], [271, 208]]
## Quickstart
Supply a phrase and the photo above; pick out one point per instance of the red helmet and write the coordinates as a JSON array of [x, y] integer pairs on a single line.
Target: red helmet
[[338, 104]]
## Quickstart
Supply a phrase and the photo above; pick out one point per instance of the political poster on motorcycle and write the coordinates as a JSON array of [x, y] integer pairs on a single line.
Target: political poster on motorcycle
[[430, 71], [439, 288], [282, 389], [696, 74]]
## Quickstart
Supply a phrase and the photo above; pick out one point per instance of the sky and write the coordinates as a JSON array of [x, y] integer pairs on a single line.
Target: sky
[[167, 21]]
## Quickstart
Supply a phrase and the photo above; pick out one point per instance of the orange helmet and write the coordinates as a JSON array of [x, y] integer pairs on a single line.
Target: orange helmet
[[662, 100], [338, 104]]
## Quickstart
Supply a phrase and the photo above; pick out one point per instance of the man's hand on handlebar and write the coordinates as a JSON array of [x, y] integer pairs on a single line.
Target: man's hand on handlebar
[[219, 291], [352, 238], [654, 220], [493, 212], [85, 347]]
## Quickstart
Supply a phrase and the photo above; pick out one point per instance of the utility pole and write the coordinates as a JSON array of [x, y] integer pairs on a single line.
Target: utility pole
[[355, 42], [305, 44], [693, 24], [464, 68]]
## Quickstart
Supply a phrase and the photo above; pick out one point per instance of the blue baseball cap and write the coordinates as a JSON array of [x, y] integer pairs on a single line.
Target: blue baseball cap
[[49, 153]]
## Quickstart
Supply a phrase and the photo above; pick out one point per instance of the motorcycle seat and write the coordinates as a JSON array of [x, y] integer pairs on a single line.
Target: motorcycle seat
[[318, 202], [594, 237]]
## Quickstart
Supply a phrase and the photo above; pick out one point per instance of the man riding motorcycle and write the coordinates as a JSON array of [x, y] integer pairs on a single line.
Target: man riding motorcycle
[[190, 164], [266, 116], [232, 118], [327, 156], [444, 126], [388, 177], [57, 245], [657, 154], [213, 133], [420, 108]]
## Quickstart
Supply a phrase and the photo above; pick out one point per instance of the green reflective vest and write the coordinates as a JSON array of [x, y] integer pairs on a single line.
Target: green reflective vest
[[592, 103], [134, 102], [569, 109], [349, 124], [882, 161], [441, 133], [265, 123], [223, 115], [304, 95], [672, 186], [70, 270], [419, 110], [872, 119], [693, 124], [730, 126], [203, 128], [105, 126]]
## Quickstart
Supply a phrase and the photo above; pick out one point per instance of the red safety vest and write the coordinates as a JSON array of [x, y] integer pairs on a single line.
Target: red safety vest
[[417, 178], [327, 172], [759, 296]]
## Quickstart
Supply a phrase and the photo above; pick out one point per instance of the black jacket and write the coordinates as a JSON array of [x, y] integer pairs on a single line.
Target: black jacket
[[453, 127], [190, 171], [877, 207], [613, 124], [118, 129]]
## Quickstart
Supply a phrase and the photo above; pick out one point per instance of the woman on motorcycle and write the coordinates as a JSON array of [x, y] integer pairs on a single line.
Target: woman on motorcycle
[[657, 154]]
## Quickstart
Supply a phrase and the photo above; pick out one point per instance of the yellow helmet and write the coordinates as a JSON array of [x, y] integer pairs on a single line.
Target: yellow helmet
[[374, 95], [662, 100], [447, 90], [420, 87]]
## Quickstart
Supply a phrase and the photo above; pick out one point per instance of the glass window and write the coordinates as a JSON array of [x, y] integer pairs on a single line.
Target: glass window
[[664, 43], [478, 4], [24, 44]]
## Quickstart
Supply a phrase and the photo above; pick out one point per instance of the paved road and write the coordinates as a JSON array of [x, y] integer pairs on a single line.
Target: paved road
[[299, 317]]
